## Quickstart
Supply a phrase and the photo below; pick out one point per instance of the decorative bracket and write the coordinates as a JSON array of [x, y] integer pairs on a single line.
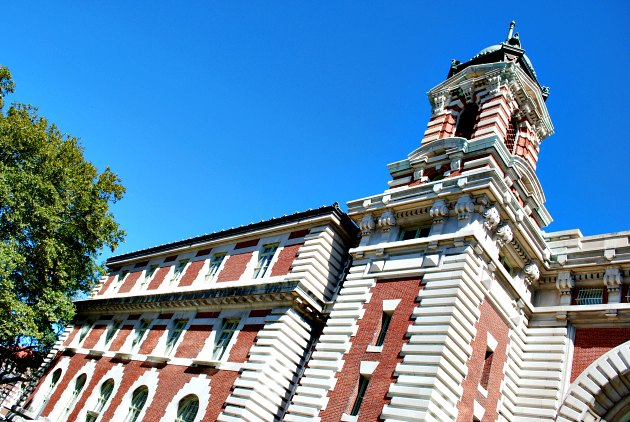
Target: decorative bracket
[[367, 225], [386, 221]]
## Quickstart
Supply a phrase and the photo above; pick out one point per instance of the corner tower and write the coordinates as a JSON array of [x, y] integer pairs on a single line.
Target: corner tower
[[495, 93], [434, 321]]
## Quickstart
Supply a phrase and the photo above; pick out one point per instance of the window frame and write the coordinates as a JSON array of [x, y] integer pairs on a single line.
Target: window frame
[[140, 333], [265, 258], [362, 387], [421, 230], [588, 297], [112, 330], [214, 265], [185, 404], [178, 271], [134, 411], [224, 337], [174, 334]]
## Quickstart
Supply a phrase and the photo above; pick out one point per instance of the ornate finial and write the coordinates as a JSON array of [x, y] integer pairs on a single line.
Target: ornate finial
[[511, 31]]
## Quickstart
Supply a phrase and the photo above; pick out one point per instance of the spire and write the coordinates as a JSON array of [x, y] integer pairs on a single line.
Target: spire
[[511, 30]]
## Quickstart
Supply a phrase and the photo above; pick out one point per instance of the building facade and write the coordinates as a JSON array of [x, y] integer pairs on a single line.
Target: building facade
[[439, 299]]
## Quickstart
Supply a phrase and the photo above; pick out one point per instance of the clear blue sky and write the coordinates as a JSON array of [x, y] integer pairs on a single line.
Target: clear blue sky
[[217, 114]]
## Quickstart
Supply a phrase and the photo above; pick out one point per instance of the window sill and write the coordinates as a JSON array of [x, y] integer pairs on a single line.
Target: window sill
[[349, 418], [203, 362], [157, 359], [97, 353], [374, 349]]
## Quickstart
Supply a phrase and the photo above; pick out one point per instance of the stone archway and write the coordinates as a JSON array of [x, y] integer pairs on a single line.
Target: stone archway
[[602, 391]]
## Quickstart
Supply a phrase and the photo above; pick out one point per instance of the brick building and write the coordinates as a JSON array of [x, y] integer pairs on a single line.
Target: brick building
[[439, 299]]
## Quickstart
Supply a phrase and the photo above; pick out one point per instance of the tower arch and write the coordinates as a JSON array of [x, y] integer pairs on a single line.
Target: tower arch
[[602, 391]]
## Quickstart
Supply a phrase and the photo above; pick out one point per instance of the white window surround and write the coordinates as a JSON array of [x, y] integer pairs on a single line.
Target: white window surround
[[160, 348], [390, 305], [38, 404], [367, 368], [115, 374], [216, 262], [208, 348], [199, 386], [478, 411], [491, 342], [57, 413], [266, 256], [150, 379]]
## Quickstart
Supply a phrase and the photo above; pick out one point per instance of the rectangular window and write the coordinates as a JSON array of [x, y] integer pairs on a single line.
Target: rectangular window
[[213, 268], [179, 269], [148, 275], [222, 339], [487, 367], [174, 334], [111, 331], [415, 232], [264, 259], [363, 384], [140, 332], [590, 296], [385, 319], [84, 330]]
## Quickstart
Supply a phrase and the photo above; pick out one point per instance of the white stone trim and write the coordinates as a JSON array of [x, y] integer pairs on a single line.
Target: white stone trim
[[150, 379], [58, 411], [116, 374], [37, 404], [367, 368], [200, 387], [591, 396]]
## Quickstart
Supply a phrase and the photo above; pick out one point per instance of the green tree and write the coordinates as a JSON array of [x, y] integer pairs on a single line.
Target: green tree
[[54, 220]]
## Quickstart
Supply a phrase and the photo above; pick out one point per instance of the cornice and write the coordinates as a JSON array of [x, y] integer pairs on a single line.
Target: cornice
[[287, 293], [327, 213]]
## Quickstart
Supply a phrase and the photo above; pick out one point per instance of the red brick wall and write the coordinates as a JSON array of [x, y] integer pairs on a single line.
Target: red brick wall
[[285, 260], [106, 285], [592, 343], [152, 338], [244, 342], [191, 273], [341, 398], [491, 322], [92, 338], [121, 336], [158, 277], [130, 282], [66, 381], [234, 267], [193, 341], [72, 334], [171, 379]]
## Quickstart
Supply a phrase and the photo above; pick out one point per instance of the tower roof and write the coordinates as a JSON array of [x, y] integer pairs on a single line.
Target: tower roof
[[507, 51]]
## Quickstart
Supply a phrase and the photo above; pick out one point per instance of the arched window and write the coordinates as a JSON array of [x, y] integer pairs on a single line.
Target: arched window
[[76, 392], [466, 121], [138, 400], [187, 409], [53, 381], [106, 391]]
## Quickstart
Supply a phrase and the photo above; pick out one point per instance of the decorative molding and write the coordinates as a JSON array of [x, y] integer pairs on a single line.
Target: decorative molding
[[504, 235], [532, 272], [438, 211], [492, 218], [564, 283], [613, 279], [464, 206], [386, 221], [367, 225]]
